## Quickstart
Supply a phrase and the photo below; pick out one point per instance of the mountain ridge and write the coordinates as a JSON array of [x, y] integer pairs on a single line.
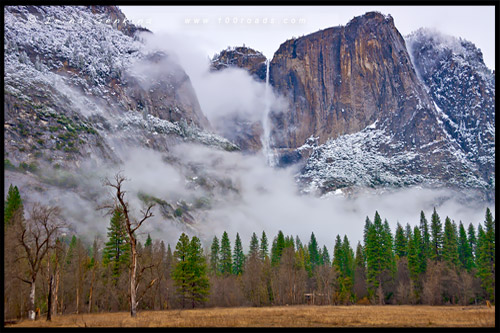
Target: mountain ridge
[[348, 80], [77, 100]]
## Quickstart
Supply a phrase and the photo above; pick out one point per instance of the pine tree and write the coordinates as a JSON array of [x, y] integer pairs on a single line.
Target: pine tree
[[289, 242], [426, 236], [314, 256], [338, 257], [372, 252], [149, 241], [298, 243], [325, 257], [71, 250], [366, 228], [465, 257], [169, 261], [181, 273], [400, 242], [388, 245], [486, 259], [254, 246], [450, 244], [264, 247], [226, 259], [198, 280], [479, 243], [408, 232], [343, 262], [436, 237], [416, 258], [117, 249], [348, 258], [277, 248], [471, 236], [360, 259], [238, 256], [379, 254], [214, 256], [359, 284], [13, 205]]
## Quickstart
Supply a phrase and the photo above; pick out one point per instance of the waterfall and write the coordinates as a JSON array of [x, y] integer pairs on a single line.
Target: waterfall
[[266, 124]]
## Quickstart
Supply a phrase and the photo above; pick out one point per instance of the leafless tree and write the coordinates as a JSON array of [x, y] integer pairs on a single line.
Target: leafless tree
[[36, 236], [465, 287], [131, 225], [289, 280], [325, 276], [402, 281], [253, 281], [432, 287]]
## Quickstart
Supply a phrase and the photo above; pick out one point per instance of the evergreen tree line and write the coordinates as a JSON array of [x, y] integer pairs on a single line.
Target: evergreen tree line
[[429, 263]]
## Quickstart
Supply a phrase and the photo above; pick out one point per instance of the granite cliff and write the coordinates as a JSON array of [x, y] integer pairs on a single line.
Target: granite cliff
[[366, 107]]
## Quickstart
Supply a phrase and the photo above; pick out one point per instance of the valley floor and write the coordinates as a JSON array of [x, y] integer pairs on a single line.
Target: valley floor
[[286, 316]]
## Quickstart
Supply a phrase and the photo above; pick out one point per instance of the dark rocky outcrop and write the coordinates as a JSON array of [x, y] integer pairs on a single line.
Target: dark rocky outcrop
[[245, 133], [242, 57]]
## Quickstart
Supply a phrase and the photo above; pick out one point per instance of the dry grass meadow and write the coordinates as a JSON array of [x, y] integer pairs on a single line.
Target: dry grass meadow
[[285, 316]]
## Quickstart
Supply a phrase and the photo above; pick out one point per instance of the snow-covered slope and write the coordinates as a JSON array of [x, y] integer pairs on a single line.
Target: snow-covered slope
[[372, 158], [84, 98], [71, 79], [463, 89]]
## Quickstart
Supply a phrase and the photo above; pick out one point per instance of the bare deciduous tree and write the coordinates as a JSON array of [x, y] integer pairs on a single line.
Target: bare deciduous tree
[[36, 236], [131, 226]]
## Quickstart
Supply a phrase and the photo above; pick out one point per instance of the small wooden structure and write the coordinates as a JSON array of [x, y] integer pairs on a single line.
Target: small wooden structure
[[312, 298]]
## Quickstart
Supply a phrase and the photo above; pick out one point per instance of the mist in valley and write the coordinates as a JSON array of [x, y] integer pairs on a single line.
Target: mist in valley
[[243, 192]]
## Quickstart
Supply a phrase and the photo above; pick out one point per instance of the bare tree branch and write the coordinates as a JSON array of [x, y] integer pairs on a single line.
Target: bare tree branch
[[119, 199]]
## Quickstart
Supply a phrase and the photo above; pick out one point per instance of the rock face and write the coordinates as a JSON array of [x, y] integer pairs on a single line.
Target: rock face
[[242, 57], [463, 89], [354, 92], [246, 133], [342, 79], [364, 106]]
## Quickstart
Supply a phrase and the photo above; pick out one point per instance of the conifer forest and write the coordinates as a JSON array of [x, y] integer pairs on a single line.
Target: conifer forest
[[50, 272]]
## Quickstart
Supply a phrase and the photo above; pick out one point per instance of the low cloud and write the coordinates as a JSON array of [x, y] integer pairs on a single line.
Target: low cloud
[[227, 94], [269, 200], [247, 196]]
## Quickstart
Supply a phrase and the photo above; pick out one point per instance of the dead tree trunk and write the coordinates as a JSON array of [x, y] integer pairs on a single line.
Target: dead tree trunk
[[131, 228], [49, 301], [133, 274]]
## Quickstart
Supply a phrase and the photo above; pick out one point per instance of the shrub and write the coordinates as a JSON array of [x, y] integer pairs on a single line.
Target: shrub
[[178, 212], [8, 165], [363, 301]]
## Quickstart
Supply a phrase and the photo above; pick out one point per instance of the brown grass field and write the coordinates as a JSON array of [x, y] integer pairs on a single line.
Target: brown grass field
[[285, 316]]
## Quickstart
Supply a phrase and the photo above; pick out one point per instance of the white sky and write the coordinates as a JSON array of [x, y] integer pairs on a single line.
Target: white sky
[[264, 28]]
